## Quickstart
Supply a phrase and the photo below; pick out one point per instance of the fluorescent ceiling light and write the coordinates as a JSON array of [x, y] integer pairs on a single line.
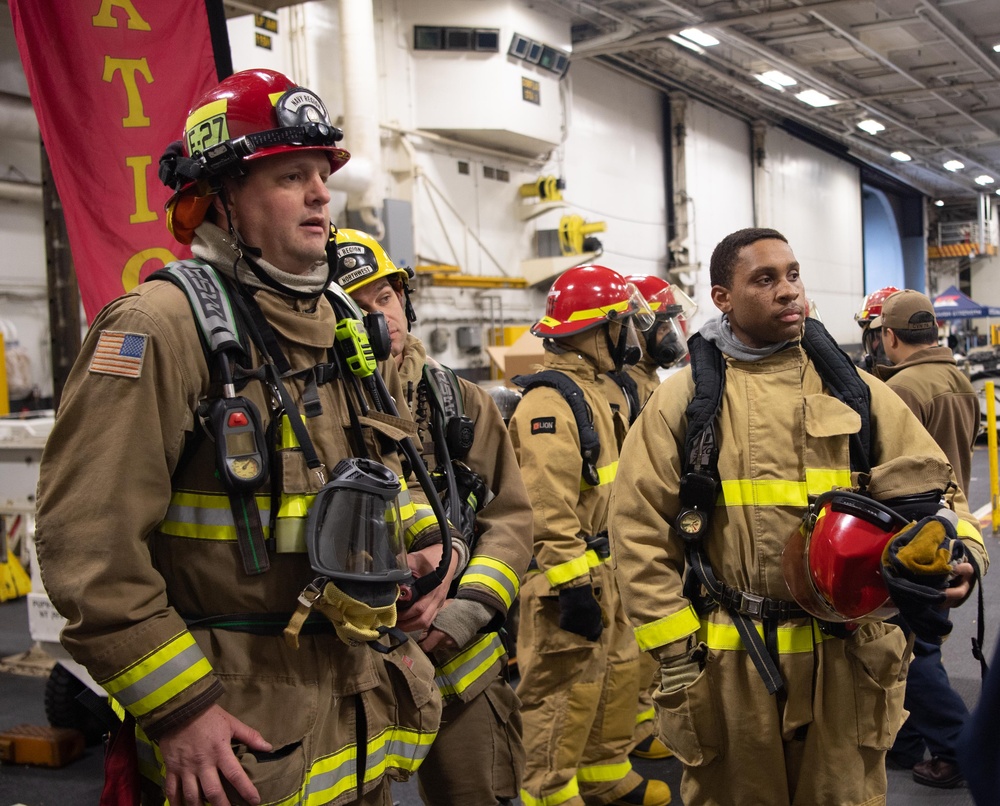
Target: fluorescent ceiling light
[[954, 165], [815, 98], [687, 43], [997, 47], [775, 79], [700, 37], [871, 126], [939, 203], [984, 179], [902, 156]]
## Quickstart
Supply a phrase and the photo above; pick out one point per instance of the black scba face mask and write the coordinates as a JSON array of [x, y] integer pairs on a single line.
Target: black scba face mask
[[623, 347], [665, 342]]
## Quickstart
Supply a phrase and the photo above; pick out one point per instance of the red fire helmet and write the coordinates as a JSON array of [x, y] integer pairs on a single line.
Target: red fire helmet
[[584, 297], [872, 305], [832, 563]]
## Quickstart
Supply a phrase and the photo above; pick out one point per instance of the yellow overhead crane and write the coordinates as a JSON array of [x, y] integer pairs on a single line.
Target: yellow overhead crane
[[443, 274]]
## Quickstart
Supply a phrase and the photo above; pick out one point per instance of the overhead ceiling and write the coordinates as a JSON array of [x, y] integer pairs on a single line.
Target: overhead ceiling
[[924, 69]]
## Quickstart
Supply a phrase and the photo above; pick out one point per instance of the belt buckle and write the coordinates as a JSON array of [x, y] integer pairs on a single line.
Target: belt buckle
[[751, 604]]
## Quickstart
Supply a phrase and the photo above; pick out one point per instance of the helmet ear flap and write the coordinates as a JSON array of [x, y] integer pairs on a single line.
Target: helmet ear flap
[[185, 213]]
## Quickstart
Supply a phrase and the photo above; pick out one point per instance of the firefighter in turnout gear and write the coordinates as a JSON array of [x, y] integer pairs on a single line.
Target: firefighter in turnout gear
[[175, 486], [664, 344], [762, 702], [578, 660], [478, 755]]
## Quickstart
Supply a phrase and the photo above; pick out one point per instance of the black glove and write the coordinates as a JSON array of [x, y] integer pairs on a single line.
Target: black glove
[[580, 613], [917, 566]]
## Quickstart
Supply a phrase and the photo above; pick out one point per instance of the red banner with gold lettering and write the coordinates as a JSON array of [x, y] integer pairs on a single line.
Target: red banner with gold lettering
[[111, 82]]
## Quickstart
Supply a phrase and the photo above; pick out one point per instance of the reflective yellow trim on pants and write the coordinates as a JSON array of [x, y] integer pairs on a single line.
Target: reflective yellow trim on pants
[[461, 671], [668, 629], [791, 640], [645, 716], [568, 792], [605, 475], [331, 776], [207, 516], [160, 676], [602, 773], [493, 574], [781, 492]]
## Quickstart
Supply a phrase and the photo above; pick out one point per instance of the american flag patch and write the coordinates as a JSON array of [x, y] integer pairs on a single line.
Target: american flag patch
[[119, 354]]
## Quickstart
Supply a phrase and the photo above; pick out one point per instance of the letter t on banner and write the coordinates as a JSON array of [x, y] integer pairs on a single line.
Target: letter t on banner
[[111, 82]]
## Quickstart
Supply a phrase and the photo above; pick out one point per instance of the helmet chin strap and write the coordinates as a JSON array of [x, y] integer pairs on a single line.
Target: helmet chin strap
[[242, 249], [621, 353]]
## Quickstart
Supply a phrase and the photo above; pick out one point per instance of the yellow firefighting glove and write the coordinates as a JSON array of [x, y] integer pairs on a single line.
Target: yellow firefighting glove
[[917, 565], [680, 664]]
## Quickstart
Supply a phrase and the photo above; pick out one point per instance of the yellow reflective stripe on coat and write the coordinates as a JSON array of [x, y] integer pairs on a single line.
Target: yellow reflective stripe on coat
[[461, 671], [791, 640], [602, 773], [160, 676], [605, 475], [781, 492], [207, 516], [967, 531], [397, 747], [493, 574], [568, 571], [568, 792], [424, 518], [668, 629]]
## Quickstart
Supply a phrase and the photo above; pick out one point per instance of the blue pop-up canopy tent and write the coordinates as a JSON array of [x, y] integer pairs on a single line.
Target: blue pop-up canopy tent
[[953, 304]]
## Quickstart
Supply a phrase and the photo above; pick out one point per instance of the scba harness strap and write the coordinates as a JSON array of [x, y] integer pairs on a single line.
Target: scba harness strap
[[699, 485], [590, 442]]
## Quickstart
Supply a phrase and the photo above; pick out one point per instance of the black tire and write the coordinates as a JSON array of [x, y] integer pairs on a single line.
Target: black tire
[[64, 710]]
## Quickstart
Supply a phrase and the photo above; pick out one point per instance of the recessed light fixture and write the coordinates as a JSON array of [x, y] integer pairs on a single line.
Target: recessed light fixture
[[939, 203], [687, 43], [871, 126], [902, 156], [954, 165], [815, 98], [984, 179], [996, 47], [699, 37], [775, 79]]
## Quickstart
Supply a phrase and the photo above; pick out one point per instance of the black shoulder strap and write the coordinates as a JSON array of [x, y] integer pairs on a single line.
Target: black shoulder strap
[[590, 442], [845, 383], [708, 369], [630, 389]]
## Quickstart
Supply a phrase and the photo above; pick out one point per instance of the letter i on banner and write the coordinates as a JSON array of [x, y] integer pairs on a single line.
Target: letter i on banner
[[125, 72]]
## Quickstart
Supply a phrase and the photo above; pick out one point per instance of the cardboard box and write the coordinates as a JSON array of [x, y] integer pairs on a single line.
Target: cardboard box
[[517, 358]]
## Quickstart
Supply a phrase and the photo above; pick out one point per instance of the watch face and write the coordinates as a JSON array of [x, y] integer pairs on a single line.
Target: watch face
[[690, 522], [245, 468]]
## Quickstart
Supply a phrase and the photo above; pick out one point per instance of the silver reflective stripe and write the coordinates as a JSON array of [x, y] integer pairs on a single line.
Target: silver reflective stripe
[[468, 666], [493, 574]]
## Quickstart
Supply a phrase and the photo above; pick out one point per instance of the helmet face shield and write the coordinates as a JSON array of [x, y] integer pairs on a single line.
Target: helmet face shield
[[665, 343], [354, 530], [832, 563], [641, 315]]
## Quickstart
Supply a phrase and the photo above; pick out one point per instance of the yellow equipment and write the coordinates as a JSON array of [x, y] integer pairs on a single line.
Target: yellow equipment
[[14, 580], [547, 188], [573, 232]]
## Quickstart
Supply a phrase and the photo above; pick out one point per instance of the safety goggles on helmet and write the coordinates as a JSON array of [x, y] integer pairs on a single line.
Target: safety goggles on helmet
[[832, 563], [303, 122], [354, 530]]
